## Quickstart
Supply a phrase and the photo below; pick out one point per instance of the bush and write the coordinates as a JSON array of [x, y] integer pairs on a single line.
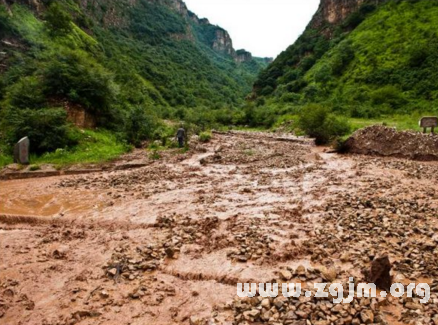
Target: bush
[[389, 95], [26, 93], [79, 78], [205, 137], [319, 123], [47, 129], [58, 21], [140, 125]]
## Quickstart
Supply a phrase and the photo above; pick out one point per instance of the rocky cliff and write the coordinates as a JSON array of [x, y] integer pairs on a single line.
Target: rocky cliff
[[243, 56], [222, 43], [336, 11], [333, 20]]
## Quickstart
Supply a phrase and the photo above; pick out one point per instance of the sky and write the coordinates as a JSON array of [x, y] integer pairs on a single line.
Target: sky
[[263, 27]]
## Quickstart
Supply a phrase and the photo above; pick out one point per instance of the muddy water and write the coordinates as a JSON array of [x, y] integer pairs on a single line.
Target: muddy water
[[238, 209]]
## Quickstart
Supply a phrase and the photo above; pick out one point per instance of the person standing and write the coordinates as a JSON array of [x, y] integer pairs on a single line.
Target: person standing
[[180, 135]]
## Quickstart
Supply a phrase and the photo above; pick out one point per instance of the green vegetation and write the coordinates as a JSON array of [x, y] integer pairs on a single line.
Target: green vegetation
[[128, 66], [319, 123], [5, 160], [94, 147], [205, 137], [380, 64]]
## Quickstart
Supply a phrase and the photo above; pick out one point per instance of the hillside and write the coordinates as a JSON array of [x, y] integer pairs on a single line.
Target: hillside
[[359, 58], [111, 63]]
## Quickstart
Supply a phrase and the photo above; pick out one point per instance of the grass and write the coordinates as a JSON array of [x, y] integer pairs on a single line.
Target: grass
[[94, 147], [5, 160], [401, 122]]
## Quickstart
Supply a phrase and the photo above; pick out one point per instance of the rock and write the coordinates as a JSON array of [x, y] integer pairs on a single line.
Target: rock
[[367, 316], [302, 314], [112, 271], [345, 257], [104, 294], [413, 306], [59, 254], [266, 303], [329, 274], [300, 271], [195, 320], [170, 252], [380, 273], [251, 314], [280, 301], [285, 275]]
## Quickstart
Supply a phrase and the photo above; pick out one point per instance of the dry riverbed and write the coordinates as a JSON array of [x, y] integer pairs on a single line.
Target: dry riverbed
[[168, 243]]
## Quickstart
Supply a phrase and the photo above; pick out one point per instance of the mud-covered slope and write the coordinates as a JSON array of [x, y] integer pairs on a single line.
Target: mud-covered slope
[[362, 58]]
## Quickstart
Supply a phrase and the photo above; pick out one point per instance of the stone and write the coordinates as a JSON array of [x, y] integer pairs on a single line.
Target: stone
[[345, 257], [170, 252], [285, 275], [112, 271], [302, 314], [21, 151], [367, 316], [413, 306], [195, 320], [251, 314], [266, 303], [104, 294], [301, 271], [329, 274], [380, 273], [280, 301]]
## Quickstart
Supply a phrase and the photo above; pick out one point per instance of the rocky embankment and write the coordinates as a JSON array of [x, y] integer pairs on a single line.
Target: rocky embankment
[[385, 141]]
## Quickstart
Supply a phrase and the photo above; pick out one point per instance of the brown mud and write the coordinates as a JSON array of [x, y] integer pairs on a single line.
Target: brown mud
[[167, 243]]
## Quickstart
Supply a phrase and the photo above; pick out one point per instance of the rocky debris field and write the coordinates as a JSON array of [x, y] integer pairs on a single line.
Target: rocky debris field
[[386, 141], [169, 242]]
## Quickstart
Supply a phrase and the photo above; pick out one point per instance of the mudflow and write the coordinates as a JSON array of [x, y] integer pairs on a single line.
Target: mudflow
[[167, 243]]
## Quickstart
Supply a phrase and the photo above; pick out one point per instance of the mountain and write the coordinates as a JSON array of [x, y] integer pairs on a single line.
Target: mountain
[[360, 58], [99, 60]]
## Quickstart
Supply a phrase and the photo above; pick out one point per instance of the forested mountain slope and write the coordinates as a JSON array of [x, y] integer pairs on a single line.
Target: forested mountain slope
[[107, 63], [361, 59]]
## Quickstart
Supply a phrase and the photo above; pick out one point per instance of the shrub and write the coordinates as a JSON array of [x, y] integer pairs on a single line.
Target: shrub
[[205, 137], [140, 125], [79, 78], [319, 123], [26, 93], [58, 21], [47, 129], [390, 95]]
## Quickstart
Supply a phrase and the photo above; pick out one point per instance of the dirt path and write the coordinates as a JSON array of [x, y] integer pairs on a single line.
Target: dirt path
[[167, 243]]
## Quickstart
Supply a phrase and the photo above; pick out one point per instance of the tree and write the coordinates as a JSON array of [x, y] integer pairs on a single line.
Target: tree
[[58, 21]]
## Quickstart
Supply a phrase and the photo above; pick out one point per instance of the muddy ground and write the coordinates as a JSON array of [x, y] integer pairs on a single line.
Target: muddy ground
[[167, 243]]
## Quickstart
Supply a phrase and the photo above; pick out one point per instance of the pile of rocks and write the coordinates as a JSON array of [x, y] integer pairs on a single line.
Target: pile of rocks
[[385, 141], [248, 240], [132, 264], [354, 229], [186, 230], [305, 310], [412, 169], [259, 154], [121, 184]]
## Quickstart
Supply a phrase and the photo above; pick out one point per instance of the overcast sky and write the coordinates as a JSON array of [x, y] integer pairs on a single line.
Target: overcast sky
[[263, 27]]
